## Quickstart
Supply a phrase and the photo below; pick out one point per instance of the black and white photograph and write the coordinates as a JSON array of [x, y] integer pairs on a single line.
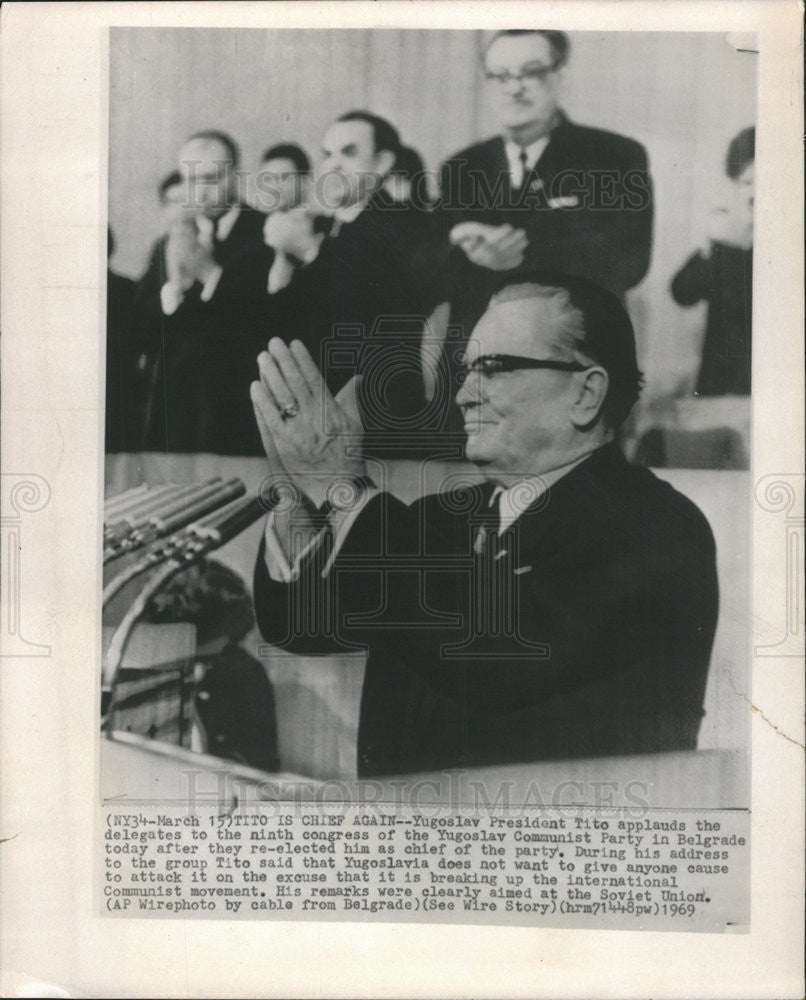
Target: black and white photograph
[[472, 350], [419, 425]]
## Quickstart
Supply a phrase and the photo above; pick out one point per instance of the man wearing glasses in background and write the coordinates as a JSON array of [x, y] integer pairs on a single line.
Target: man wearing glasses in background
[[564, 607], [547, 193]]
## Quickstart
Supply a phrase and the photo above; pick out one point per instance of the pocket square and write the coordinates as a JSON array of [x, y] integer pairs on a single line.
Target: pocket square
[[521, 570], [564, 201]]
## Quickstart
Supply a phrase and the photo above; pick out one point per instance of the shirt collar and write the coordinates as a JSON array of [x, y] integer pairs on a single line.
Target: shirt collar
[[223, 226], [533, 152]]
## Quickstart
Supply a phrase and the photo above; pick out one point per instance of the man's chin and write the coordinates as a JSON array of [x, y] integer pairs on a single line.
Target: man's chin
[[477, 454], [523, 118], [518, 115]]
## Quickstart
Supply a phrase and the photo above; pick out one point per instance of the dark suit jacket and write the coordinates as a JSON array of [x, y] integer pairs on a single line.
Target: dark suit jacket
[[204, 354], [591, 637], [126, 381], [360, 306], [606, 236]]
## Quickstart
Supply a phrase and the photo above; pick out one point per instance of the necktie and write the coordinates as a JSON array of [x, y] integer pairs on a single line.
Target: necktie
[[530, 179], [525, 172], [488, 541]]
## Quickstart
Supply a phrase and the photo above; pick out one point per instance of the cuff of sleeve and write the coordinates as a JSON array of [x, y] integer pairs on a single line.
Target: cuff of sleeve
[[171, 298], [210, 285], [280, 273], [280, 570]]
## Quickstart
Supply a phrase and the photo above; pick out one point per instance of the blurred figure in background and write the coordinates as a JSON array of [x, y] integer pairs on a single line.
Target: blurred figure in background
[[125, 383], [704, 422], [407, 181], [721, 274], [283, 177], [545, 192], [353, 296], [196, 311], [284, 183], [233, 701], [172, 199], [140, 375]]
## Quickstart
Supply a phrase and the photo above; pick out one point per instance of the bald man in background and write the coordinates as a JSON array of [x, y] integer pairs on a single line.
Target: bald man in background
[[193, 302]]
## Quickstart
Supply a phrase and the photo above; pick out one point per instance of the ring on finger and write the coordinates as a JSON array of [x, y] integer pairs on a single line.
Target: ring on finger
[[289, 410]]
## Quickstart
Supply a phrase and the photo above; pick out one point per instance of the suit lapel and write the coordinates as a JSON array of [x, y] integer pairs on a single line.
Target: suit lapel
[[547, 163], [554, 521]]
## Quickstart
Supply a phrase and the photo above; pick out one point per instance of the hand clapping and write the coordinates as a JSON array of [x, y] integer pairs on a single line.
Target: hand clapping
[[186, 260], [291, 232], [308, 435], [499, 248]]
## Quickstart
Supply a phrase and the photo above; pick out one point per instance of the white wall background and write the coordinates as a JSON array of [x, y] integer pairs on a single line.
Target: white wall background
[[684, 96]]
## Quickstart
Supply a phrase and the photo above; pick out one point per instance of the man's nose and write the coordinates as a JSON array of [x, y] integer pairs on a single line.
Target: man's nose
[[469, 391], [513, 85]]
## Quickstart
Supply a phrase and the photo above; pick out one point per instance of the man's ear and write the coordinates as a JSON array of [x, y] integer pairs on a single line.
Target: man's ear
[[384, 161], [592, 390]]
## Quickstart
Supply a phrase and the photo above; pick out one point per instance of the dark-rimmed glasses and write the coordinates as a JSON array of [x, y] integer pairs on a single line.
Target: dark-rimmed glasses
[[528, 73], [496, 364]]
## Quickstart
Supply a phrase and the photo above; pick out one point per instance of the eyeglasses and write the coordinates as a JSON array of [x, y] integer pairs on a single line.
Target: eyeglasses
[[529, 73], [489, 365]]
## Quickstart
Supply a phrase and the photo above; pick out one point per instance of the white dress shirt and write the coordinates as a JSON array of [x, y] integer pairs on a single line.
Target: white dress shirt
[[533, 154], [281, 571]]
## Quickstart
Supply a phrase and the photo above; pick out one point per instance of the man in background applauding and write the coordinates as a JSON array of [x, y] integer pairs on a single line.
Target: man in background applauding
[[194, 303], [546, 193]]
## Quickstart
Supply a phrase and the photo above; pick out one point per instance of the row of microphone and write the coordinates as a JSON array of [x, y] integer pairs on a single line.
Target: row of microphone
[[143, 515], [180, 523]]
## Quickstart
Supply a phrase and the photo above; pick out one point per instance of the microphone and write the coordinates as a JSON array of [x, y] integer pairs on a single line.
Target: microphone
[[230, 521], [135, 514], [174, 514], [193, 542], [122, 500], [179, 552]]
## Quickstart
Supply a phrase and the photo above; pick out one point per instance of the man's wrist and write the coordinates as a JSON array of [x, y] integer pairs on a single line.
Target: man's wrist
[[206, 270], [346, 493], [339, 494], [209, 281], [172, 295]]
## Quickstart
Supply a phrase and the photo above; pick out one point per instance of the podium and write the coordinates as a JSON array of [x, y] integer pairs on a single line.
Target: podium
[[152, 695], [138, 771]]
